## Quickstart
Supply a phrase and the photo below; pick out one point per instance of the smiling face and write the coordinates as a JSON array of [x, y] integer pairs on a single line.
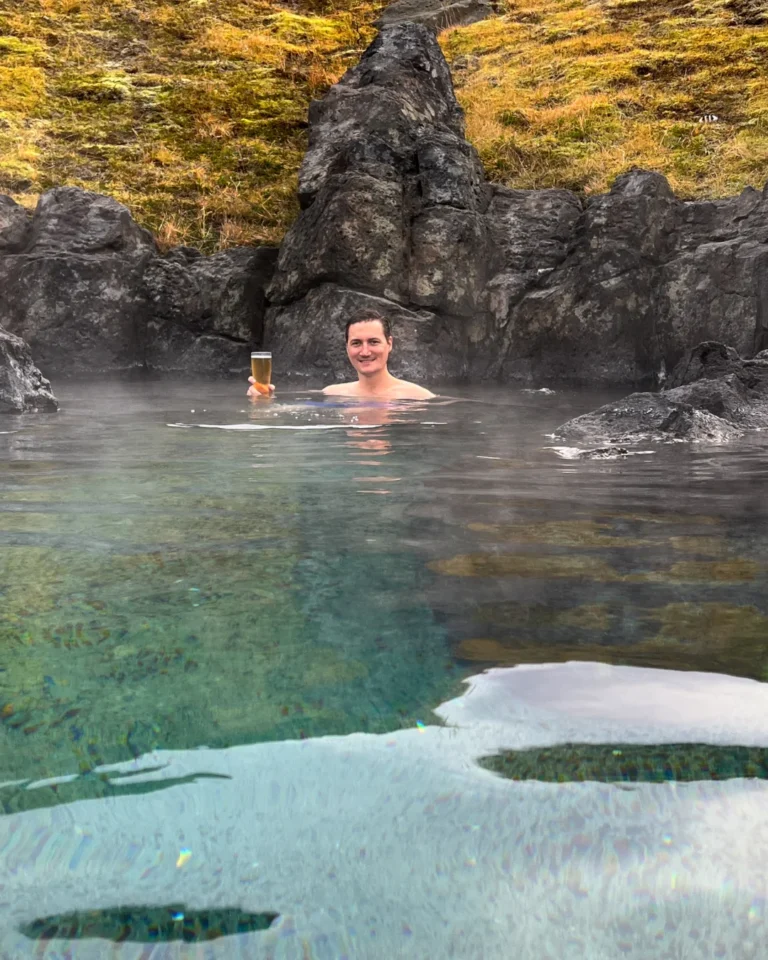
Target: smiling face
[[368, 348]]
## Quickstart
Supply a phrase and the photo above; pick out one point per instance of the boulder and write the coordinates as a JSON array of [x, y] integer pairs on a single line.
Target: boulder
[[22, 387], [307, 337], [394, 212], [73, 290], [435, 14], [205, 313], [74, 222], [15, 226], [88, 290], [714, 397]]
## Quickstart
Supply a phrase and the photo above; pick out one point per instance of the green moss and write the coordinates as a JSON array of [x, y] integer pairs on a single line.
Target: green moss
[[193, 114], [604, 87], [630, 763]]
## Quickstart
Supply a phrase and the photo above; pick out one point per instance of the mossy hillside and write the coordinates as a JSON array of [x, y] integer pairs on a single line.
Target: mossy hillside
[[570, 93], [192, 112]]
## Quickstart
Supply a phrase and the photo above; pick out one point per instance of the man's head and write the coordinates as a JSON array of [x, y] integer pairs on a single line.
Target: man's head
[[369, 342], [360, 316]]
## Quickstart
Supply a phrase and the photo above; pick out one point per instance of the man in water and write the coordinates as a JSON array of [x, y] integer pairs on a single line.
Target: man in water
[[369, 344]]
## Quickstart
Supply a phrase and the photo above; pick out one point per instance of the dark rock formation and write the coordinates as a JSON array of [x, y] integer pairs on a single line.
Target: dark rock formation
[[88, 291], [435, 14], [205, 312], [478, 280], [714, 396], [524, 285], [394, 208], [318, 352], [22, 386]]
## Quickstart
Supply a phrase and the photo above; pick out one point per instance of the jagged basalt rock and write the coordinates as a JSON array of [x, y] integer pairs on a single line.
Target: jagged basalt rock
[[714, 397], [534, 285], [205, 311], [394, 209], [15, 226], [22, 387], [435, 14], [527, 286], [88, 290]]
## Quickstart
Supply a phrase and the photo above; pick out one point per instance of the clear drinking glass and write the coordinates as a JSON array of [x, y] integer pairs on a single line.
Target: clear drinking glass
[[261, 370]]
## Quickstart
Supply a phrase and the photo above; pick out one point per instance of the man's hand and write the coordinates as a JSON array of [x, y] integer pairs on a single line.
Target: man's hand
[[257, 390]]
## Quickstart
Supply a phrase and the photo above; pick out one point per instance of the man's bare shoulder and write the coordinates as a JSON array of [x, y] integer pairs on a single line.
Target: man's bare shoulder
[[411, 391], [341, 390]]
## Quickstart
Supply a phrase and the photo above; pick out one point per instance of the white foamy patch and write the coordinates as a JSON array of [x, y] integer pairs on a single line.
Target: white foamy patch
[[276, 426], [601, 453], [545, 390], [400, 846], [567, 453]]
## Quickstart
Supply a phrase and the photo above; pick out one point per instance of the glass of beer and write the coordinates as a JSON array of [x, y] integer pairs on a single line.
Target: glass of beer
[[261, 371]]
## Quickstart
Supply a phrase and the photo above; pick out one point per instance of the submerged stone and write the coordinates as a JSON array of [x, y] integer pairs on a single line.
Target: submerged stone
[[145, 924], [630, 763]]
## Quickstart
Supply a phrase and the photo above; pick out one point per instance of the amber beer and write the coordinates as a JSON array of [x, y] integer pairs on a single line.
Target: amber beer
[[261, 368]]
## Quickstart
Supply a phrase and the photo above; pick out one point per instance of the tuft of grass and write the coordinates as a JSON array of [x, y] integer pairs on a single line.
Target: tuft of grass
[[571, 93], [191, 112]]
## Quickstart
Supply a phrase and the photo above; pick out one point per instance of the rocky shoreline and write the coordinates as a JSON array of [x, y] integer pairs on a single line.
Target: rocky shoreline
[[713, 396], [479, 280]]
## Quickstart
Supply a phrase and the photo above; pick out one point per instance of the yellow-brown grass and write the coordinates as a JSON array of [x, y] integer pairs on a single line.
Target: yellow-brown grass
[[571, 93], [192, 112]]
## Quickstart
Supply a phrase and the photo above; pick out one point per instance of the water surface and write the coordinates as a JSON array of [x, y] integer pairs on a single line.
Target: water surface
[[180, 569]]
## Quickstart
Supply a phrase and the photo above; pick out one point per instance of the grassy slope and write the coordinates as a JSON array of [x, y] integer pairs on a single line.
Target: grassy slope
[[193, 112], [570, 93]]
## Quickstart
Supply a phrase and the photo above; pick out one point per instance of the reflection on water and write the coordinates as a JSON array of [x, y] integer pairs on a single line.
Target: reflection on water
[[170, 588]]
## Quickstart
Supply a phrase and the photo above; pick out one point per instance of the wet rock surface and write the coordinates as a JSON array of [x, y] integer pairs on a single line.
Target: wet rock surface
[[89, 291], [714, 396], [22, 387]]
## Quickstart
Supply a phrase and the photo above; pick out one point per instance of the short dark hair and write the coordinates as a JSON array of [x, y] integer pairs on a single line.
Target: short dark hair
[[365, 314]]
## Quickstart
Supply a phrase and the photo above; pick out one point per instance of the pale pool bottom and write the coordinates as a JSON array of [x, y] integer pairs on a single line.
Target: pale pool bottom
[[400, 845]]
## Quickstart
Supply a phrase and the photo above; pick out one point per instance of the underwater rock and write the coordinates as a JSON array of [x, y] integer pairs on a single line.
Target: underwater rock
[[22, 387], [86, 288], [714, 396]]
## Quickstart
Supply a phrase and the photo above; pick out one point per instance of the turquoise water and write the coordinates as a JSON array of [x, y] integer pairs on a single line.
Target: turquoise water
[[198, 592]]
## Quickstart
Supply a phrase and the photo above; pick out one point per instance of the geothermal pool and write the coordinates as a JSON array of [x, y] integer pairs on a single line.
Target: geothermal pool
[[300, 679]]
